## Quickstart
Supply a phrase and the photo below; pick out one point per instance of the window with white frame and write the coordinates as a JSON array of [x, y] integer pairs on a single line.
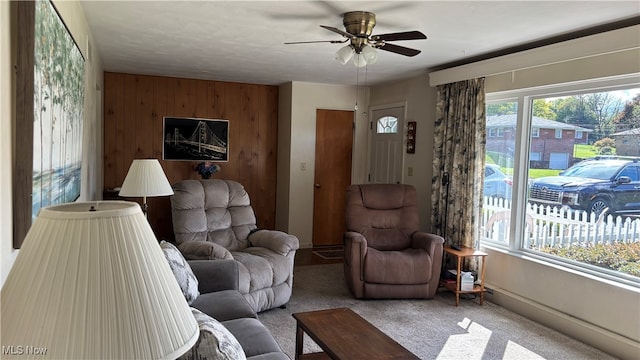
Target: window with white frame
[[578, 134], [555, 213], [558, 133]]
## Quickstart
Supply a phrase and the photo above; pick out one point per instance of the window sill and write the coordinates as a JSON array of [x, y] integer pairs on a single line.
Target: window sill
[[591, 272]]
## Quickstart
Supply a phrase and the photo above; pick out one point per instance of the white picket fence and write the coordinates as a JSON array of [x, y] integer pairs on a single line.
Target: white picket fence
[[552, 226]]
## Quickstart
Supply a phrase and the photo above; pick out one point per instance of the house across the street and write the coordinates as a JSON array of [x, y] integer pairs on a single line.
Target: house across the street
[[552, 142], [627, 142]]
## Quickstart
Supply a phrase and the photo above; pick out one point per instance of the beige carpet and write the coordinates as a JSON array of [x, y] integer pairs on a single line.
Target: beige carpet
[[431, 329]]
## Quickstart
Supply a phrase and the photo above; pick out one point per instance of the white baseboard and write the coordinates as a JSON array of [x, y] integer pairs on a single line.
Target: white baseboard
[[605, 340]]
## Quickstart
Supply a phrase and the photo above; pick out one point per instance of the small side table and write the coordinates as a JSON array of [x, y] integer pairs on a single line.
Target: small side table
[[465, 252]]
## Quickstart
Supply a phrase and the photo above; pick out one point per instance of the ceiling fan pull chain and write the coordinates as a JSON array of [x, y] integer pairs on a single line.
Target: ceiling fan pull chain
[[357, 87]]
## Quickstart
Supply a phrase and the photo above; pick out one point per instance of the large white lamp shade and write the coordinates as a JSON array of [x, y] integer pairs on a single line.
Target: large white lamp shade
[[90, 281], [145, 179]]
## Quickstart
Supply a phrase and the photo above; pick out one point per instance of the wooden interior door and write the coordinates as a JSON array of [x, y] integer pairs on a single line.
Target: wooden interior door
[[334, 144]]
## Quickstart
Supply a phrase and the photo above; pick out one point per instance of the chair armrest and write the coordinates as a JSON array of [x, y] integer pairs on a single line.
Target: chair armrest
[[355, 245], [215, 275], [277, 241], [204, 250], [355, 250], [432, 243]]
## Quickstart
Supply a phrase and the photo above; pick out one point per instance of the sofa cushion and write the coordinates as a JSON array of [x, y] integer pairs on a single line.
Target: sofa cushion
[[224, 305], [181, 270], [215, 341], [254, 337]]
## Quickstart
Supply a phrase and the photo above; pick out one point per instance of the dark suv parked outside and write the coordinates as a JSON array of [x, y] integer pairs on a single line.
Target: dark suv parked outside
[[592, 186]]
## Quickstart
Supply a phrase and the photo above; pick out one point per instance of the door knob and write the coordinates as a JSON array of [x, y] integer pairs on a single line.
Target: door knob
[[317, 186]]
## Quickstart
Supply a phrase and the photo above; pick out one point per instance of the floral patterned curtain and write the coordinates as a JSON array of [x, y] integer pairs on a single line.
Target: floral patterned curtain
[[458, 161]]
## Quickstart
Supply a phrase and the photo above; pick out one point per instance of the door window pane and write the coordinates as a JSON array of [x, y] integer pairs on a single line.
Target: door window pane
[[387, 125]]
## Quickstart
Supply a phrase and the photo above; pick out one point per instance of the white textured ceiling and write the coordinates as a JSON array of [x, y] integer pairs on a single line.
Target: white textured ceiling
[[243, 41]]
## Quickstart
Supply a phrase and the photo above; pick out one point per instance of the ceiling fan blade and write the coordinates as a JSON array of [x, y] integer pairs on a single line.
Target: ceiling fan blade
[[318, 41], [399, 49], [338, 31], [407, 35]]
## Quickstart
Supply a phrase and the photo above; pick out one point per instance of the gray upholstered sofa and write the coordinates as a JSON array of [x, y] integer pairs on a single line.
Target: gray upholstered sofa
[[213, 219], [229, 327], [219, 298]]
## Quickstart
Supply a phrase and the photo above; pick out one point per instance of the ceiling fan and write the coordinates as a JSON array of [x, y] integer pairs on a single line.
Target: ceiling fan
[[359, 27]]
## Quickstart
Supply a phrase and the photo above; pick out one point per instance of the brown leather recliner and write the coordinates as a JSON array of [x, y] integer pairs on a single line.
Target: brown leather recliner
[[385, 254]]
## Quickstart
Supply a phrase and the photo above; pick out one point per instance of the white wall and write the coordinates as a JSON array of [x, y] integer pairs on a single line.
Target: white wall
[[73, 16], [600, 313], [419, 99], [298, 118]]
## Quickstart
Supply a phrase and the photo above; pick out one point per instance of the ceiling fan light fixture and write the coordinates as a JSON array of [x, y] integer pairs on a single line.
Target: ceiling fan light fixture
[[358, 28], [345, 54], [370, 54], [359, 60]]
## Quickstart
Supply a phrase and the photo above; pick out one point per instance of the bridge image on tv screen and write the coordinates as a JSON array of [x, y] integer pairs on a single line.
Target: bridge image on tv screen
[[195, 139]]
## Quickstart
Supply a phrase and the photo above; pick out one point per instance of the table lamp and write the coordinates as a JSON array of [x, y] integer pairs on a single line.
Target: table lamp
[[144, 179], [90, 281]]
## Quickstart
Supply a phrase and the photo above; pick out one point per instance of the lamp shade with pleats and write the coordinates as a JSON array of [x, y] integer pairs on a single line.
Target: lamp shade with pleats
[[145, 179], [90, 281]]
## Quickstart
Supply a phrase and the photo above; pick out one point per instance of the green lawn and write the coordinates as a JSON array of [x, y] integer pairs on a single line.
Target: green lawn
[[538, 173], [581, 151], [533, 173]]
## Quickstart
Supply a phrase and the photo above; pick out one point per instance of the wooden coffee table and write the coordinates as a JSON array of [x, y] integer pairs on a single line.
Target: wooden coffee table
[[343, 334]]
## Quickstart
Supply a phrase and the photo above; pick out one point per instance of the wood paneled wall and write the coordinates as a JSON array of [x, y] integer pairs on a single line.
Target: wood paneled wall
[[134, 107]]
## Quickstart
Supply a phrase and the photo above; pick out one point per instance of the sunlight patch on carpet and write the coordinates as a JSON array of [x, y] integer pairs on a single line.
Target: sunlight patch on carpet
[[469, 346], [515, 351]]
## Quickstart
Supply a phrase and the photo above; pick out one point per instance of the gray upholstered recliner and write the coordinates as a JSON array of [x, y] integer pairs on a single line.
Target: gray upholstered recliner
[[385, 254], [213, 219]]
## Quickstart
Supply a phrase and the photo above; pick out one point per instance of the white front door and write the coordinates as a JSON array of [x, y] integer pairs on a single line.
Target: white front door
[[387, 130]]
